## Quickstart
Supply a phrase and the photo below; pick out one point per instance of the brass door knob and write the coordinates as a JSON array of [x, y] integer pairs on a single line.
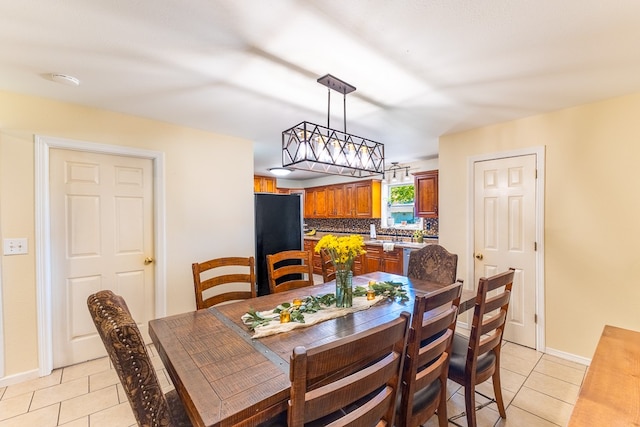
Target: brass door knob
[[148, 260], [479, 257]]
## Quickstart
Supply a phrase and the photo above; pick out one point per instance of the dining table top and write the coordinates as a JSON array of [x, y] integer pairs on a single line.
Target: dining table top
[[226, 377]]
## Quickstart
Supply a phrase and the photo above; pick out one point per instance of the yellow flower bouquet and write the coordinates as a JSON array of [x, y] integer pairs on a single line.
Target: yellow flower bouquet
[[343, 251]]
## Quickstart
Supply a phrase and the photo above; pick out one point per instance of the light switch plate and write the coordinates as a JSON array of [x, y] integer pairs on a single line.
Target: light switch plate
[[15, 246]]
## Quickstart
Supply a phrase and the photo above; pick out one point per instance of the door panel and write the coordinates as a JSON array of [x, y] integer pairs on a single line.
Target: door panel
[[505, 236], [101, 233]]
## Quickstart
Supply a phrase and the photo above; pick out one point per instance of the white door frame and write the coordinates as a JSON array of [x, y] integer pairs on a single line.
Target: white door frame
[[43, 235], [539, 151]]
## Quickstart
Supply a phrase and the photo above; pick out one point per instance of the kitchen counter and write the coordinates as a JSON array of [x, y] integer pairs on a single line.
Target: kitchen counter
[[405, 243]]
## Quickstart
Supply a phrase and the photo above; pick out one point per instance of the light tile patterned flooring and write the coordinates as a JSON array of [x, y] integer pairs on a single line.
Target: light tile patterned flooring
[[539, 391]]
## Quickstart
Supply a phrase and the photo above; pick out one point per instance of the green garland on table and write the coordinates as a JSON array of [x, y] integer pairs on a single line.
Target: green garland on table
[[312, 304]]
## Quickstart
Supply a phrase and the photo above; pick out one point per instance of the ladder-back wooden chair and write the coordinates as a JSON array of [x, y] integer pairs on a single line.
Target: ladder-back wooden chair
[[424, 377], [225, 275], [352, 380], [289, 270], [476, 358]]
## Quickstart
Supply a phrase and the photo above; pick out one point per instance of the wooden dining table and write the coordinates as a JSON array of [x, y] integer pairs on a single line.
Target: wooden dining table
[[225, 377]]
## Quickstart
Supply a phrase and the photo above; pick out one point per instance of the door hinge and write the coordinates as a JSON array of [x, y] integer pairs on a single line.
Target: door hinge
[[536, 174], [535, 318], [535, 246]]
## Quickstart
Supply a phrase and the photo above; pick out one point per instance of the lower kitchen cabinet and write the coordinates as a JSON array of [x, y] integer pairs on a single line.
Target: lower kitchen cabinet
[[377, 259], [358, 265]]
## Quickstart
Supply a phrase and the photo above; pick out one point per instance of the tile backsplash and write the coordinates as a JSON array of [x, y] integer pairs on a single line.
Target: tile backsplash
[[361, 226]]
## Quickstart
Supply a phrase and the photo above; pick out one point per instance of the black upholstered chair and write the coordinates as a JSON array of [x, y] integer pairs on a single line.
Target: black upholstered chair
[[424, 377], [350, 382], [476, 358], [128, 353]]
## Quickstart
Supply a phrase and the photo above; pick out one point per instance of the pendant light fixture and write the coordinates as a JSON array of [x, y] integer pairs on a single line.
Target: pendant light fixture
[[312, 147], [396, 173]]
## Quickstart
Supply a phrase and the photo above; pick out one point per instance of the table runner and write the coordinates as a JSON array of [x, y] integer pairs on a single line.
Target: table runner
[[332, 312]]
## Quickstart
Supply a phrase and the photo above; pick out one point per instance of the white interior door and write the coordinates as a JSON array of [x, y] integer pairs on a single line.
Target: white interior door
[[101, 236], [505, 230]]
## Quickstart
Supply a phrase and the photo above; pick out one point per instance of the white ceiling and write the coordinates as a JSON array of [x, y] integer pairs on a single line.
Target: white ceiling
[[248, 68]]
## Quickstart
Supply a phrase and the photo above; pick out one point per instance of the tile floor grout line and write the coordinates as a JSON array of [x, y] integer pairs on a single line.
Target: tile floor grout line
[[523, 386], [520, 388]]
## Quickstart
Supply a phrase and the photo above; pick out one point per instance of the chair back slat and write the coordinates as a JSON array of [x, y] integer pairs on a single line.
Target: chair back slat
[[439, 322], [497, 301], [427, 359], [430, 352], [289, 270], [489, 342], [355, 390], [494, 322], [223, 275]]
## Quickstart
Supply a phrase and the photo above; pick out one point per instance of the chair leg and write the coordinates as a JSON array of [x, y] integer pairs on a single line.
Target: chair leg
[[497, 391], [470, 404], [442, 413]]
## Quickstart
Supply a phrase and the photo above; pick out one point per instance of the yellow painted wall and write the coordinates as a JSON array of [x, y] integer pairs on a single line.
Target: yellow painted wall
[[209, 201], [592, 212]]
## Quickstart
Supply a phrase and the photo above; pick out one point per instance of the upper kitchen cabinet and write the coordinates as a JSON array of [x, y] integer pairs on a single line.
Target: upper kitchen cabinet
[[426, 187], [315, 202], [335, 201], [264, 184], [362, 199], [354, 200]]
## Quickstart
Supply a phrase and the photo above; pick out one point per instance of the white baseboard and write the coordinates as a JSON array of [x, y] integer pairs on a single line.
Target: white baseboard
[[568, 356], [18, 378]]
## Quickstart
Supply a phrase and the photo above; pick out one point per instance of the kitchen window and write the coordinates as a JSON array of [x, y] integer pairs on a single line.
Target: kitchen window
[[398, 206]]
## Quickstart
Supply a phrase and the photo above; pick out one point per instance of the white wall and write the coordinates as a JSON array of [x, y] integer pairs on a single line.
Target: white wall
[[592, 211], [209, 201]]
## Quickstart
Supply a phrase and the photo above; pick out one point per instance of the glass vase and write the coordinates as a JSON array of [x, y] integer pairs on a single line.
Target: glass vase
[[344, 288]]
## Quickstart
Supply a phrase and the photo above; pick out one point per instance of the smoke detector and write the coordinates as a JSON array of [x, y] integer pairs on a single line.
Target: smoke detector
[[65, 79]]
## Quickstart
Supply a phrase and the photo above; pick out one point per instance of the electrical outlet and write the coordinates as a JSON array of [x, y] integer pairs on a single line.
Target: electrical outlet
[[15, 246]]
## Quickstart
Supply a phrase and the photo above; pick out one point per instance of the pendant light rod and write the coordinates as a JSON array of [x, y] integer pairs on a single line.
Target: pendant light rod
[[339, 86]]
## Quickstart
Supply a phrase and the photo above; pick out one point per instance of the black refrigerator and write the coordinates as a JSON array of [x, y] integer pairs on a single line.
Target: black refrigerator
[[278, 220]]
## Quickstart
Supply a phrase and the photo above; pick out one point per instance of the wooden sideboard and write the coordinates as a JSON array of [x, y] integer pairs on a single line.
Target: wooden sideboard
[[610, 394]]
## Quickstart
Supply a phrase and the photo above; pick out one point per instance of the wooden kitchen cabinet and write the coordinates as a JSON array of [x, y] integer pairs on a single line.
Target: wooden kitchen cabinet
[[378, 260], [315, 202], [426, 188], [366, 195], [353, 200], [264, 184], [335, 201]]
